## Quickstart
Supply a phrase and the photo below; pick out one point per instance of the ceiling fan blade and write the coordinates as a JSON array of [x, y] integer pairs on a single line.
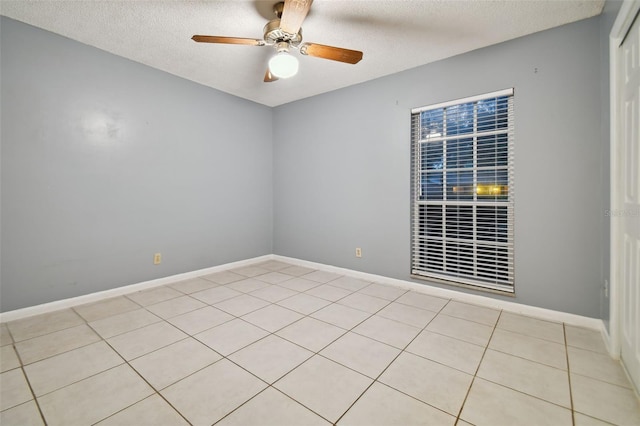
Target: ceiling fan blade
[[268, 77], [330, 52], [228, 40], [293, 14]]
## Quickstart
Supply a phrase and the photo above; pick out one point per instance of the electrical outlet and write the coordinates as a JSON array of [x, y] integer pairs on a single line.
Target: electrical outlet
[[358, 252], [157, 258], [606, 288]]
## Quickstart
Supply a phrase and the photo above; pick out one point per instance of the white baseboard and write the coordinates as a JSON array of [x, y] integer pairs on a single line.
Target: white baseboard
[[517, 308], [119, 291], [541, 313], [607, 342]]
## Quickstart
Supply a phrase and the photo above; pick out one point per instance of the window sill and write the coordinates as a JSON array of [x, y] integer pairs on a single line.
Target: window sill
[[463, 285]]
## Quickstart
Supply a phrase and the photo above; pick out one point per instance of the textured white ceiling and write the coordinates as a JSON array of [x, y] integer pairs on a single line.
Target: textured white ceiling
[[394, 35]]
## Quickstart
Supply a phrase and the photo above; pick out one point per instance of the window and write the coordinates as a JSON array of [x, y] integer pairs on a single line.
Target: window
[[462, 191]]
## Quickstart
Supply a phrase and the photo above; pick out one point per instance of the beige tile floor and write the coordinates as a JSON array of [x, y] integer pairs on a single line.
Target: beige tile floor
[[276, 344]]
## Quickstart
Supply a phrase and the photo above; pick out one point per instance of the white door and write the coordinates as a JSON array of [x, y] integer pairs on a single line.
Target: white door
[[629, 200]]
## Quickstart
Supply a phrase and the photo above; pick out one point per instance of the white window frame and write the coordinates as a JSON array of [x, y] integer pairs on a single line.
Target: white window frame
[[504, 282]]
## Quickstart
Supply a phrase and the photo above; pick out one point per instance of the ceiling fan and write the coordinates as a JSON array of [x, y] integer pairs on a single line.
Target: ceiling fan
[[284, 34]]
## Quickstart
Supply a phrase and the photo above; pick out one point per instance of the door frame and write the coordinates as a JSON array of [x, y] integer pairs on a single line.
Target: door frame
[[623, 22]]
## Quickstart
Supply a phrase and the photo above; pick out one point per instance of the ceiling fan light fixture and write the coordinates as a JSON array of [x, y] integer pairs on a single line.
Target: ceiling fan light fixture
[[283, 65], [285, 33]]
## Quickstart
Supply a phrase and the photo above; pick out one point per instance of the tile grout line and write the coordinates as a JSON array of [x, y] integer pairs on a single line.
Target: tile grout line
[[35, 400], [161, 319], [595, 379], [50, 332], [56, 354], [356, 325], [23, 365], [254, 325], [85, 378], [299, 345], [155, 391], [466, 319], [308, 408], [566, 354], [269, 385], [125, 362], [351, 330], [26, 378], [227, 358], [415, 337], [529, 360], [526, 394], [514, 389], [455, 338], [208, 365], [117, 352], [314, 353], [475, 374], [201, 331], [375, 380]]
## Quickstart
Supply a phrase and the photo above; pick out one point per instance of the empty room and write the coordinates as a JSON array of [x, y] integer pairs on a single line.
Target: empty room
[[329, 212]]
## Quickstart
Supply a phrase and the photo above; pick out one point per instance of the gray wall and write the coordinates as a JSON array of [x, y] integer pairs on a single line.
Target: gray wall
[[106, 161], [342, 165], [607, 18]]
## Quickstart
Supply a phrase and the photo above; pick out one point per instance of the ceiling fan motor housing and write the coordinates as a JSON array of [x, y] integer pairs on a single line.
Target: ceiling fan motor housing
[[273, 34]]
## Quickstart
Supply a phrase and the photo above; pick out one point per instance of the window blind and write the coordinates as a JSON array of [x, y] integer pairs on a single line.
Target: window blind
[[462, 191]]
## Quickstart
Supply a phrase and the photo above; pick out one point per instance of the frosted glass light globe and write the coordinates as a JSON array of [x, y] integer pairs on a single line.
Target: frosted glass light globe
[[283, 65]]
